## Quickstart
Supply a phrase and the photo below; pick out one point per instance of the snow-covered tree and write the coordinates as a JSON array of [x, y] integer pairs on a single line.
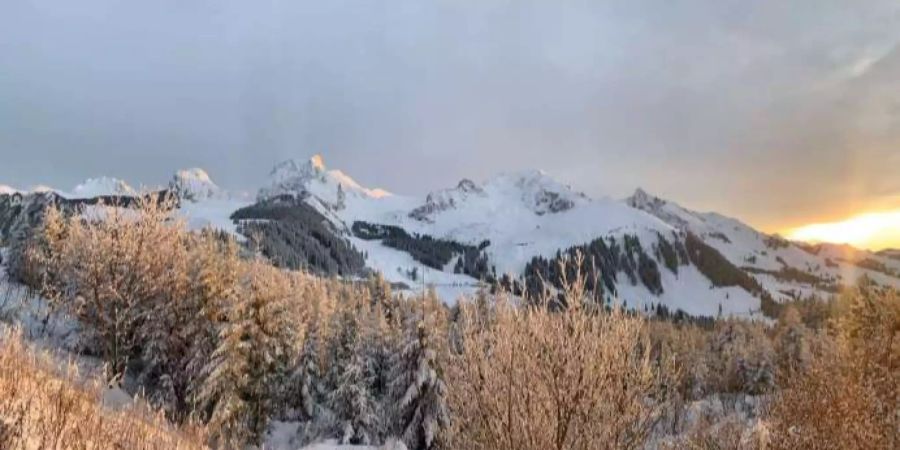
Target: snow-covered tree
[[117, 267], [305, 390], [350, 398], [252, 359], [418, 390], [183, 335], [341, 197]]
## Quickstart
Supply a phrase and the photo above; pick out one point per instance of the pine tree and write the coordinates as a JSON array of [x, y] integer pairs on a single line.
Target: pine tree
[[183, 337], [383, 337], [419, 391], [223, 392], [252, 359], [341, 197], [306, 380], [351, 400]]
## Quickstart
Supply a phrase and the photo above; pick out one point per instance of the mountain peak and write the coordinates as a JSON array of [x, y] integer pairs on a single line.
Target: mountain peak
[[300, 177], [537, 190], [194, 184], [317, 162], [95, 187], [645, 201], [467, 185], [533, 190], [7, 190], [298, 170], [196, 173]]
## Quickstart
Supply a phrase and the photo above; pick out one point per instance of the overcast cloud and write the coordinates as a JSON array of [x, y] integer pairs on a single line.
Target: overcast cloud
[[776, 112]]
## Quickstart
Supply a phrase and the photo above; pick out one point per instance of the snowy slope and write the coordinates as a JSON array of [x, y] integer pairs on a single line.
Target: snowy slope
[[772, 259], [203, 203]]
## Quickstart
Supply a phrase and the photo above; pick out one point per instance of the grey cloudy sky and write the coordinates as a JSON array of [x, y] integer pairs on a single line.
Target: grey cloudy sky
[[777, 112]]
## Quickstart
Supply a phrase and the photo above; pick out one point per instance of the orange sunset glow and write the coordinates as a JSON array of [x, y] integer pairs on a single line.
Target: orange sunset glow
[[875, 231]]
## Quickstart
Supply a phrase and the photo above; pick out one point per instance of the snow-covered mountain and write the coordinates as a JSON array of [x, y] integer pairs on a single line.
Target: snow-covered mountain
[[522, 216], [195, 185], [529, 214], [294, 177], [7, 190], [101, 186], [649, 251], [201, 203]]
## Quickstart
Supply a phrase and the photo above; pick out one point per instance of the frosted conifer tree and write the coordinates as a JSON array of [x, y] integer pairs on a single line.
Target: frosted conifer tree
[[418, 391], [351, 399], [306, 380], [183, 338], [251, 360], [341, 198]]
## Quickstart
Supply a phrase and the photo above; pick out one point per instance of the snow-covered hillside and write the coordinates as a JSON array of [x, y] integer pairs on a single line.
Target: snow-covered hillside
[[786, 269]]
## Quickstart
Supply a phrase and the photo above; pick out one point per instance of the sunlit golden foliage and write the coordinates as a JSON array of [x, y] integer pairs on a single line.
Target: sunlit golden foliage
[[577, 378], [850, 396], [44, 406]]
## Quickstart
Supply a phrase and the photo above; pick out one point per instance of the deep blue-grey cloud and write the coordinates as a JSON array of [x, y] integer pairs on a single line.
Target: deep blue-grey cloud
[[773, 111]]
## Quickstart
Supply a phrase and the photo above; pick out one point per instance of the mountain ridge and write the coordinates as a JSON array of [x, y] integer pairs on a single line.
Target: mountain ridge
[[514, 222]]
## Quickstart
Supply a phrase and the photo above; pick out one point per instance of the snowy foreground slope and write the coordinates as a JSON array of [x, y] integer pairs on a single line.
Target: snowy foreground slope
[[511, 219]]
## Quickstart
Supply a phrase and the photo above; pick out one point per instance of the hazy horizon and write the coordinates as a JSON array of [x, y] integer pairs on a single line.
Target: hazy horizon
[[781, 115]]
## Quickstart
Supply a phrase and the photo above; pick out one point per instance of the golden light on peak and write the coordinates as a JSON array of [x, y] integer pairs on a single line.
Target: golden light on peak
[[874, 231]]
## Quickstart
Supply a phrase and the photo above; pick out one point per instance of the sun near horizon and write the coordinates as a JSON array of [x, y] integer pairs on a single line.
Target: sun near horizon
[[877, 230]]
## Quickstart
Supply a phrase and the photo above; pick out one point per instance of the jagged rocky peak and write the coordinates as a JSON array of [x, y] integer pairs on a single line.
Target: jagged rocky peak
[[533, 190], [194, 185], [467, 185], [642, 200], [668, 212], [102, 186], [294, 170], [300, 178], [445, 199], [294, 177], [8, 190], [538, 191]]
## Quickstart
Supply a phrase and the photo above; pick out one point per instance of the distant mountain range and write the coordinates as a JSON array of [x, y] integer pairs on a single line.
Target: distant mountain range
[[518, 230]]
